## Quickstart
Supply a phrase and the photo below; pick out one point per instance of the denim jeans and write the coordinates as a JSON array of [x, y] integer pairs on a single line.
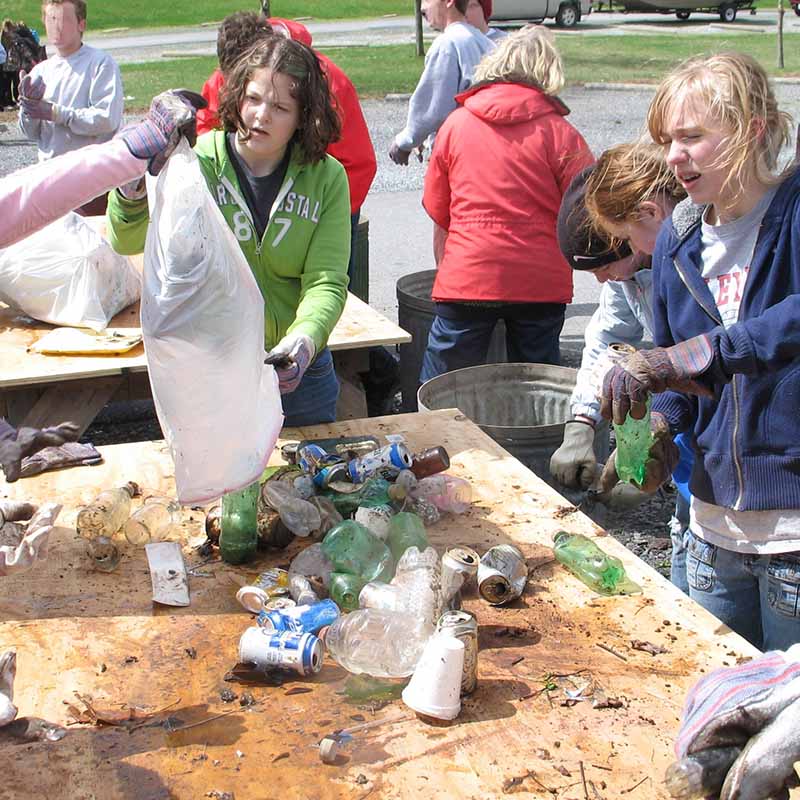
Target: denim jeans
[[464, 342], [679, 533], [757, 596], [314, 400]]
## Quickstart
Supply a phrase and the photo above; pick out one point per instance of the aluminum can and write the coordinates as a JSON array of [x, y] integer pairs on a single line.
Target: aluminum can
[[289, 452], [393, 455], [502, 574], [302, 591], [270, 584], [333, 472], [290, 650], [459, 566], [310, 458], [300, 619], [463, 625]]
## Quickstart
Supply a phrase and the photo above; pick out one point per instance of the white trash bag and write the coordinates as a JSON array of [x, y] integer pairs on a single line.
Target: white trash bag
[[68, 274], [203, 324]]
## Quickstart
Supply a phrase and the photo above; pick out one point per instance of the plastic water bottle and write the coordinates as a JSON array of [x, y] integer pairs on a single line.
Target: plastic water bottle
[[238, 537], [312, 563], [406, 530], [351, 548], [634, 440], [598, 570], [383, 644], [446, 492]]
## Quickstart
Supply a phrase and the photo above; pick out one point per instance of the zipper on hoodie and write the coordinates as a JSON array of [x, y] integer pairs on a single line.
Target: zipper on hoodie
[[734, 391]]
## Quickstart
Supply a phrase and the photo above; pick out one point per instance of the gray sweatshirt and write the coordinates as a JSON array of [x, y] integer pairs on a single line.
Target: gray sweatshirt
[[449, 65], [87, 90]]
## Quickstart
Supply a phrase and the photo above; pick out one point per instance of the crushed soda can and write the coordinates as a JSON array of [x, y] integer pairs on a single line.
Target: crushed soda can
[[301, 619], [289, 452], [279, 603], [463, 625], [459, 566], [332, 473], [302, 591], [502, 574], [394, 455], [311, 458], [290, 650], [270, 584]]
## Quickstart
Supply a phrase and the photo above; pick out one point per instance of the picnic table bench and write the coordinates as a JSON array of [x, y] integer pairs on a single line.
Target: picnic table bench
[[100, 635]]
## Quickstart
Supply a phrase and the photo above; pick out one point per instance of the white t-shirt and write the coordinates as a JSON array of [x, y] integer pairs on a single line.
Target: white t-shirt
[[727, 252]]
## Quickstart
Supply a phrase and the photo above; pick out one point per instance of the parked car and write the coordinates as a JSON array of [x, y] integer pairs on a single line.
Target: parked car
[[796, 7], [567, 13], [682, 9]]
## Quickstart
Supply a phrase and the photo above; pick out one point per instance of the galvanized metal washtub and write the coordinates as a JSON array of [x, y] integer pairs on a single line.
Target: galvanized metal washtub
[[523, 407]]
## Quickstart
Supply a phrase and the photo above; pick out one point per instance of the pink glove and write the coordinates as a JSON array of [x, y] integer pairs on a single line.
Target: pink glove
[[22, 547], [291, 357]]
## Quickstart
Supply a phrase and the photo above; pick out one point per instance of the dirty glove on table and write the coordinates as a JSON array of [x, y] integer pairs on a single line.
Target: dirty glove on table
[[574, 463], [8, 671], [755, 705], [171, 115], [628, 383], [662, 459], [15, 445], [398, 155], [291, 357], [22, 545]]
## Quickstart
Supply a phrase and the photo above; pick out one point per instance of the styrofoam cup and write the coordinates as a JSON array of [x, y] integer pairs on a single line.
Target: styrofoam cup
[[435, 686]]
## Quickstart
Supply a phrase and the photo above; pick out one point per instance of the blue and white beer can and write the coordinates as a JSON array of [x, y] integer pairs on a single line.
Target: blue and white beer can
[[300, 619], [291, 650], [393, 455]]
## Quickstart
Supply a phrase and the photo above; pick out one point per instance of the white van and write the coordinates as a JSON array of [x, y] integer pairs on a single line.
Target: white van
[[567, 13]]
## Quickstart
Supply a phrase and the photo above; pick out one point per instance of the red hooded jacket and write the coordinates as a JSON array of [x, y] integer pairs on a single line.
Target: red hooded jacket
[[354, 149], [500, 165]]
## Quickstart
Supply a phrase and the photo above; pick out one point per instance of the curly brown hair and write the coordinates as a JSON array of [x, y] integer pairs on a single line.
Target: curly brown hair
[[319, 123], [237, 33]]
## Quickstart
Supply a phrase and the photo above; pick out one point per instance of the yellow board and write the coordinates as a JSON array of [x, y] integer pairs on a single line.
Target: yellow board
[[82, 341]]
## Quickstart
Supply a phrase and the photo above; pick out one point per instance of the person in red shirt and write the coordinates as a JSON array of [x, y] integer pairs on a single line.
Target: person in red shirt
[[499, 168], [354, 149]]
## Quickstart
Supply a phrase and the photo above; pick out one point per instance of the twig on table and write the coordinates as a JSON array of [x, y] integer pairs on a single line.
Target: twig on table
[[204, 721], [636, 785], [600, 766], [583, 781], [611, 650]]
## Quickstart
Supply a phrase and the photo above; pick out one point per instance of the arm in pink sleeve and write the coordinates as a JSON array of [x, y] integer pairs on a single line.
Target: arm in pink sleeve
[[38, 195]]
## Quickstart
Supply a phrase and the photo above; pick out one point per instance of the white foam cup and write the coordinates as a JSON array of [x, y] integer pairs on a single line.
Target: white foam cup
[[435, 687]]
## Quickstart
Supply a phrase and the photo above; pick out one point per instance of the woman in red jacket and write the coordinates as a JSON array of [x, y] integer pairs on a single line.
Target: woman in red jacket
[[500, 165]]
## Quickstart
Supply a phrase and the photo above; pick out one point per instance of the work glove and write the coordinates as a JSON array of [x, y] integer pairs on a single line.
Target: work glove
[[755, 706], [662, 459], [171, 115], [8, 671], [291, 357], [628, 384], [15, 445], [30, 88], [71, 454], [21, 547], [31, 98], [622, 497], [398, 155], [574, 463]]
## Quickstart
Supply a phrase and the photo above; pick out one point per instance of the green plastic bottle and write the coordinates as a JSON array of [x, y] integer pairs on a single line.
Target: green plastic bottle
[[345, 589], [352, 549], [634, 441], [599, 571], [406, 530], [238, 536]]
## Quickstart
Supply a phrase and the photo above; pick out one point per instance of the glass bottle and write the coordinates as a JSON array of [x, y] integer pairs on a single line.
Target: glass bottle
[[345, 589], [352, 549], [598, 570], [406, 530], [430, 461], [238, 528], [107, 513], [152, 521]]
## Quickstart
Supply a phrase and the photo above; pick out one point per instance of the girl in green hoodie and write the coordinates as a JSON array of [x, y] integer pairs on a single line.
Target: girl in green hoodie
[[288, 205]]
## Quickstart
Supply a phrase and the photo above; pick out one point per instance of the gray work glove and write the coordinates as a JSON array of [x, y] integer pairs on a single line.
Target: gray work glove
[[755, 705], [291, 358], [574, 463], [623, 497], [22, 546], [8, 671], [398, 155], [16, 444]]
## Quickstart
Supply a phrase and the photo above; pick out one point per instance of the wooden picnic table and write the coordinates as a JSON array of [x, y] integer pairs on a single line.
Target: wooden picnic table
[[40, 390], [100, 635]]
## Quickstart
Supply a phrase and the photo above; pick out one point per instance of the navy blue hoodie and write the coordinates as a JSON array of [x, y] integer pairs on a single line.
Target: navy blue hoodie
[[747, 437]]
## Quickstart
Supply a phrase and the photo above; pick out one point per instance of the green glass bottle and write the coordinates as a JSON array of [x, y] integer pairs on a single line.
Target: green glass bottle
[[599, 571], [352, 549], [406, 530], [634, 441], [238, 537], [345, 589]]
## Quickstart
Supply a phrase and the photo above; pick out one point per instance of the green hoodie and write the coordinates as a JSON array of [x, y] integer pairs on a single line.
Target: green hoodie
[[300, 265]]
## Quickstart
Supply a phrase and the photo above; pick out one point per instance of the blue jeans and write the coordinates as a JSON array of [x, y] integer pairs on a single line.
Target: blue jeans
[[679, 533], [756, 596], [455, 343], [314, 400]]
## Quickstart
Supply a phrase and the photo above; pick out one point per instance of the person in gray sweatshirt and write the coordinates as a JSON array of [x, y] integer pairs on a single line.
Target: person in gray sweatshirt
[[449, 65]]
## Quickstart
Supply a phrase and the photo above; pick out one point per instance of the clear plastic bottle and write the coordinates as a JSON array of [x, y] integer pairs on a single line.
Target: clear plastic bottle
[[598, 570], [107, 513], [383, 644], [406, 530], [238, 537], [351, 548], [446, 492], [152, 521], [297, 514], [312, 563]]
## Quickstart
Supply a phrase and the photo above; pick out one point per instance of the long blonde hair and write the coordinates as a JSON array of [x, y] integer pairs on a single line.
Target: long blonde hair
[[623, 178], [528, 55], [733, 90]]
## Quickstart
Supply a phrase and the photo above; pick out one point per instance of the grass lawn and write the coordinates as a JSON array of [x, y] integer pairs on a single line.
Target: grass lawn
[[376, 71], [155, 14]]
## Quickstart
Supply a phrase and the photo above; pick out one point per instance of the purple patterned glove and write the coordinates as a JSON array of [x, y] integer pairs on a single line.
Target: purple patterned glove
[[291, 357], [627, 385], [31, 88], [171, 115]]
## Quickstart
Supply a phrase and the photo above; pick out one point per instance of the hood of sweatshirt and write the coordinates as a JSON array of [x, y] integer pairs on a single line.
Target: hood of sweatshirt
[[510, 103], [296, 30]]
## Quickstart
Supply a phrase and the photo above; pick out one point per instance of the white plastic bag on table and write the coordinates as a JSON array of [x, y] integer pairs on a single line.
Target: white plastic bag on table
[[203, 324], [68, 274]]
